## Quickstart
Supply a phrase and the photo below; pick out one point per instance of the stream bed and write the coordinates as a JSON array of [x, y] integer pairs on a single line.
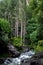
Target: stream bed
[[24, 57]]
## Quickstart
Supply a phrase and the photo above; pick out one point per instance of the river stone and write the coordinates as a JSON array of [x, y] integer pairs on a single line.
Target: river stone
[[26, 50]]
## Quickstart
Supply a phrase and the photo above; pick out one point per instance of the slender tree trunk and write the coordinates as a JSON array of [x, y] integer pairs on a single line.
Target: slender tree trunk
[[20, 18], [17, 28], [24, 30], [21, 31]]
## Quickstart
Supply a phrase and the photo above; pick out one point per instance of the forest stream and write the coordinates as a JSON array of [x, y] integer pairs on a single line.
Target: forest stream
[[24, 57], [21, 32]]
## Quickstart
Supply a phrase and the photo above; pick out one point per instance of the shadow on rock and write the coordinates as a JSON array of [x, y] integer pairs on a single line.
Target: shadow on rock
[[12, 50]]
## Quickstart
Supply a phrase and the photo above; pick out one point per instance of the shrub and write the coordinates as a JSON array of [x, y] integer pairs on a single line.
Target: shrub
[[16, 41], [33, 36], [40, 46], [4, 26], [40, 42], [4, 30]]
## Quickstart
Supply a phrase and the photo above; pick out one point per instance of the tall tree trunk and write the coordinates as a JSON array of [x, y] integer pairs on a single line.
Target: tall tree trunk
[[17, 21], [20, 18], [21, 30], [17, 27]]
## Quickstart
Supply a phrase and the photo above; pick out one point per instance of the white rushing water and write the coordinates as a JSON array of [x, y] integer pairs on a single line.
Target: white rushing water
[[22, 58]]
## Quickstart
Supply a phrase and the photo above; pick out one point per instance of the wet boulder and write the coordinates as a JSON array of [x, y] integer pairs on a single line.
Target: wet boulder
[[37, 59], [13, 51], [26, 50]]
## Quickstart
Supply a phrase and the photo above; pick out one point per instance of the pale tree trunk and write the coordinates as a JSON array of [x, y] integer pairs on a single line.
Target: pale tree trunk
[[17, 28], [21, 30], [24, 20], [24, 31], [16, 22], [20, 19]]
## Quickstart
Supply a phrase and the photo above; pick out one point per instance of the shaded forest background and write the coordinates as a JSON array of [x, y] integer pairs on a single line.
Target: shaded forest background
[[21, 23]]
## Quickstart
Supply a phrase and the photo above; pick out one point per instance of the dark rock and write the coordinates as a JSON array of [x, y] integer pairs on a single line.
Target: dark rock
[[37, 59], [3, 47], [39, 55], [2, 60], [26, 50], [41, 61], [34, 63], [13, 51], [16, 54], [8, 48], [9, 59]]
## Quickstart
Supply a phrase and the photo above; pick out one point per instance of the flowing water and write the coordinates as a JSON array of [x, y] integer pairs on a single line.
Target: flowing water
[[22, 58]]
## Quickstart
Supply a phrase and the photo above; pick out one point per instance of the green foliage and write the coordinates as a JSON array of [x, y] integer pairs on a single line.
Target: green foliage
[[38, 15], [40, 42], [33, 36], [5, 30], [16, 41], [5, 26], [31, 26], [39, 46], [7, 10], [33, 4], [5, 38], [34, 22]]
